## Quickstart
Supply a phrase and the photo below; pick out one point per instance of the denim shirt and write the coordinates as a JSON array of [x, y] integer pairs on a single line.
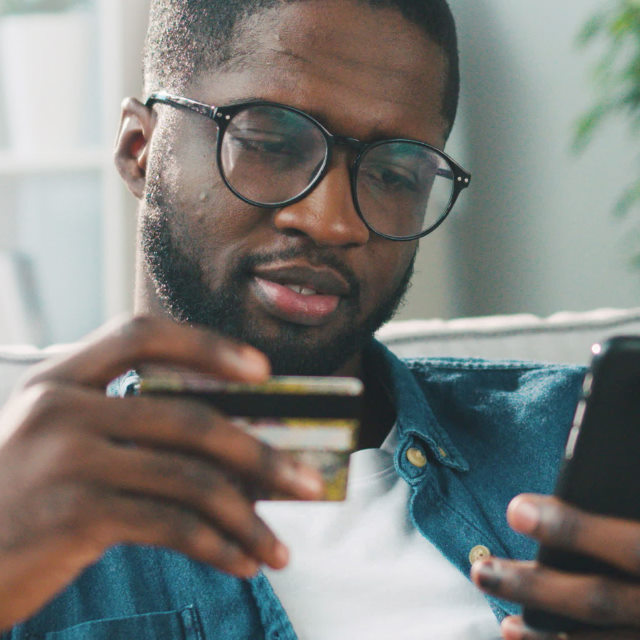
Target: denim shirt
[[489, 430]]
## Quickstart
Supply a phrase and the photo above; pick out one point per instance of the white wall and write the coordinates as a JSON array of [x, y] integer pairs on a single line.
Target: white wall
[[535, 232]]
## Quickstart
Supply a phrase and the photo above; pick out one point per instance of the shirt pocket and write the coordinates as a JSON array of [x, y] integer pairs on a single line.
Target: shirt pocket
[[183, 624]]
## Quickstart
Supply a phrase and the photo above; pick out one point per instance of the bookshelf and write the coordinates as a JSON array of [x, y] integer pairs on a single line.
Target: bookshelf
[[65, 211]]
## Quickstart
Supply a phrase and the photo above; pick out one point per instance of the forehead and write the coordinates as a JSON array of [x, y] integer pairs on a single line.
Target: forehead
[[366, 72]]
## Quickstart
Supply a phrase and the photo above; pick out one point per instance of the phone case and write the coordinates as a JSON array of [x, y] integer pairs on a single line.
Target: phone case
[[601, 469]]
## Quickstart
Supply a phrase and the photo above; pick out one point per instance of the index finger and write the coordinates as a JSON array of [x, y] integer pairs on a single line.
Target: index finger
[[557, 524], [123, 345]]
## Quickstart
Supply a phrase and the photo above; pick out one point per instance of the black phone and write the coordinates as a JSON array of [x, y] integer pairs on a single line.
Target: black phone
[[601, 469]]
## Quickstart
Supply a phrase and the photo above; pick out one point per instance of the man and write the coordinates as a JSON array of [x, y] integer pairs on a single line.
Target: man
[[262, 219]]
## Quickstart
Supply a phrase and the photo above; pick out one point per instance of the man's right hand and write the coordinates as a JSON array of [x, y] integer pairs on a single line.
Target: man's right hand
[[80, 471]]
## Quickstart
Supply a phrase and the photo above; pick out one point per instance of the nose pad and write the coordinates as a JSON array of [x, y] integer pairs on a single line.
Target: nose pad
[[327, 215]]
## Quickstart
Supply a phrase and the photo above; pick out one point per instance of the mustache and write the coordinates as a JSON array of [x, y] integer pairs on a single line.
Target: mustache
[[316, 256]]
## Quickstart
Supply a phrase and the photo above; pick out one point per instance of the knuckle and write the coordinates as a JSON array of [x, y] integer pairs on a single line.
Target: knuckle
[[198, 416], [198, 475], [526, 585], [66, 509], [109, 521], [562, 525], [270, 461], [226, 500], [136, 333], [204, 543], [601, 603], [67, 455], [258, 535], [32, 377], [47, 401], [181, 528], [216, 549], [174, 524]]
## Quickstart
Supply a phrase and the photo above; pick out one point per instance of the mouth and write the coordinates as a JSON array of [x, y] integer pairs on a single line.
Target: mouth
[[301, 294]]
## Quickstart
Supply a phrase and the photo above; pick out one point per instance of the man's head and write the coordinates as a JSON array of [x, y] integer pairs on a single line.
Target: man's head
[[365, 69], [186, 37]]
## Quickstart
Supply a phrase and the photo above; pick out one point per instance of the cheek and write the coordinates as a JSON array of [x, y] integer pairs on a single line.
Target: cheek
[[189, 162], [387, 264], [213, 224], [207, 212]]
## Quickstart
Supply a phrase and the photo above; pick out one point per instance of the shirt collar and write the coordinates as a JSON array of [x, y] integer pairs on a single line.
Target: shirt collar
[[414, 417]]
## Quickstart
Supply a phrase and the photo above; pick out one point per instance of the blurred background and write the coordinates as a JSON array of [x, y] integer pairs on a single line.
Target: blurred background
[[535, 232]]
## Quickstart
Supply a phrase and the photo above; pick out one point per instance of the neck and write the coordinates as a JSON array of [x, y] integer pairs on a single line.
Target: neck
[[145, 296]]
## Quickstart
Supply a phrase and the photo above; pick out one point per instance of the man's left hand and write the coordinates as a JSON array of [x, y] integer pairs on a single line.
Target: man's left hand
[[594, 599]]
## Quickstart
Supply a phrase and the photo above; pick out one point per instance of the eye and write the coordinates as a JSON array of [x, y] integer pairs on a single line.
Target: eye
[[389, 177], [261, 143]]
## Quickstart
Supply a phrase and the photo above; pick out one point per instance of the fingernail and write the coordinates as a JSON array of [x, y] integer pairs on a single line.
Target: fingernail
[[526, 516], [303, 479], [281, 554], [249, 360], [512, 628], [310, 481], [487, 574]]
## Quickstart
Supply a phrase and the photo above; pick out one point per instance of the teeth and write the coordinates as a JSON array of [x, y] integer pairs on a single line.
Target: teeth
[[305, 291]]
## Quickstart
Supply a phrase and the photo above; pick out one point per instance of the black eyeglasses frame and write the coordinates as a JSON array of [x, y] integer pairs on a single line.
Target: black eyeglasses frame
[[222, 115]]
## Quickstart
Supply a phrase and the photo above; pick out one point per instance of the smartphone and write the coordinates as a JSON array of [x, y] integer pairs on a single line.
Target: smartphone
[[316, 419], [601, 468]]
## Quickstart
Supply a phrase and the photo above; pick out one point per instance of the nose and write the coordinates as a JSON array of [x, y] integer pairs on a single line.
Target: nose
[[327, 215]]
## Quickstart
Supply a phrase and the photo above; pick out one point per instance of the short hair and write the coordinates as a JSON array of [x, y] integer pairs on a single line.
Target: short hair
[[186, 37]]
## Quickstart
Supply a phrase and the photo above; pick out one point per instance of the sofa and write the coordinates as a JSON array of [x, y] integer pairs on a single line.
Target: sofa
[[562, 337]]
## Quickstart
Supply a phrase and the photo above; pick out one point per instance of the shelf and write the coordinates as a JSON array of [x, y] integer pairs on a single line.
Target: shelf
[[53, 184], [16, 164]]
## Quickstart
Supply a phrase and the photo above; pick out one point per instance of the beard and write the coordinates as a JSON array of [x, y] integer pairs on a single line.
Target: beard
[[181, 287]]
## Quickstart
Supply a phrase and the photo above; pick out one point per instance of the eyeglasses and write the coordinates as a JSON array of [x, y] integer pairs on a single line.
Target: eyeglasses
[[271, 155]]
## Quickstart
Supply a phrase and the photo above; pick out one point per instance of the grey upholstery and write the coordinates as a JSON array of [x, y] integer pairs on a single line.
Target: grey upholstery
[[562, 337]]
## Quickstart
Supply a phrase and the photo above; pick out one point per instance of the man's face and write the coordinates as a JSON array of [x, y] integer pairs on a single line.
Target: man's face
[[216, 260]]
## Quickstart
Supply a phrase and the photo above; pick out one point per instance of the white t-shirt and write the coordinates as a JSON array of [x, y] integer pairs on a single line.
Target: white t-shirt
[[360, 569]]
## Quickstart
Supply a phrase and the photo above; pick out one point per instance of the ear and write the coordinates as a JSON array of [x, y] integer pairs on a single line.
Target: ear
[[132, 145]]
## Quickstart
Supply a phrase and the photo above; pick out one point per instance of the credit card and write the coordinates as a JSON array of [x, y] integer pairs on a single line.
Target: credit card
[[315, 419]]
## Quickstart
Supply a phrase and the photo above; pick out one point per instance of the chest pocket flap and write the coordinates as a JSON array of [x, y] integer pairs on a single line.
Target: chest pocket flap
[[164, 625]]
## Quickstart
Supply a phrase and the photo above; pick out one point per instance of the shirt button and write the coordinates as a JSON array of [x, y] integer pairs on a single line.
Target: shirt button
[[478, 552], [416, 457]]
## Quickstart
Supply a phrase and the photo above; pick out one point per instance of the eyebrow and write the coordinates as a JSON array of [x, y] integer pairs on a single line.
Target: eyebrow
[[377, 133], [235, 101]]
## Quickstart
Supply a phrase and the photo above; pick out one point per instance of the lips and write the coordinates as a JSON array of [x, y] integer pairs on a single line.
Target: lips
[[300, 294]]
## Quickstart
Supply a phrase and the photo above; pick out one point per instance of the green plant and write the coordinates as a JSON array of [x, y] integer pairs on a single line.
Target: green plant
[[616, 77], [16, 7]]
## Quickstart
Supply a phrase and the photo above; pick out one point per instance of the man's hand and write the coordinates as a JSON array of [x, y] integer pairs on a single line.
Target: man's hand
[[80, 472], [599, 600]]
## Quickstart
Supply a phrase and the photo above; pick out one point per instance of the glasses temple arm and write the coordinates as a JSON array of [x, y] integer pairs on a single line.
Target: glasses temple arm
[[184, 103]]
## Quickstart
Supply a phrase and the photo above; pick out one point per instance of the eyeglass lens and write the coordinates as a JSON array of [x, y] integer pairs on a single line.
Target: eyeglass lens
[[270, 155]]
